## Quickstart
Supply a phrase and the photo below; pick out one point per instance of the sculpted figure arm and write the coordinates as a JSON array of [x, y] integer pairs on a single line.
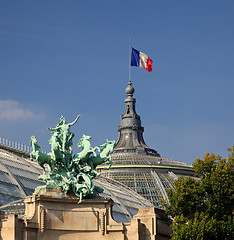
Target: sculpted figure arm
[[71, 124], [54, 129], [63, 124]]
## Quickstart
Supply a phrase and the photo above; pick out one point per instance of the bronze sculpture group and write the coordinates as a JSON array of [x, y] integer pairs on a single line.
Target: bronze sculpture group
[[71, 173]]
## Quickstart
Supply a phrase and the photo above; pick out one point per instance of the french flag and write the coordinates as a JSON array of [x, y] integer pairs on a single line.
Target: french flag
[[140, 59]]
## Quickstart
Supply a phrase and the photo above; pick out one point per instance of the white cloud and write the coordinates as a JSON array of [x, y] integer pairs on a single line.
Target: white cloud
[[13, 110]]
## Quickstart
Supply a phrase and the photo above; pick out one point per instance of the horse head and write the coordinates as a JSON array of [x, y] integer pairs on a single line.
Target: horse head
[[103, 146], [111, 145], [34, 143], [86, 138], [108, 146], [83, 141]]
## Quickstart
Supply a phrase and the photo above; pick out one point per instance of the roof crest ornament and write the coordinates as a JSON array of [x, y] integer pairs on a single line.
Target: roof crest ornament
[[130, 138]]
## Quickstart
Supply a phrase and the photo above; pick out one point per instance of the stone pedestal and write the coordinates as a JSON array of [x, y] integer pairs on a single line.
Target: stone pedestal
[[150, 223], [53, 215]]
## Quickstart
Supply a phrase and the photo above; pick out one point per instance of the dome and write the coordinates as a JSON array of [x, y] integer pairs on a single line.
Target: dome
[[19, 178], [136, 165], [149, 176]]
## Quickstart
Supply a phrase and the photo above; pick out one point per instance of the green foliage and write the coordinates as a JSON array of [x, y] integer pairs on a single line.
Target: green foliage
[[201, 226], [202, 208]]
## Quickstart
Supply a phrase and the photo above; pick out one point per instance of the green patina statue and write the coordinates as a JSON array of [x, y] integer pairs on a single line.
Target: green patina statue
[[71, 173]]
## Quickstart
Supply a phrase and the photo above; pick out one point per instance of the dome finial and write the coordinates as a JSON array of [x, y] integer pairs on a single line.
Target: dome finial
[[130, 90]]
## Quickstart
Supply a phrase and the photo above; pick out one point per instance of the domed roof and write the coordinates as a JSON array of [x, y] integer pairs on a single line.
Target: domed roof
[[19, 178], [149, 180], [136, 165]]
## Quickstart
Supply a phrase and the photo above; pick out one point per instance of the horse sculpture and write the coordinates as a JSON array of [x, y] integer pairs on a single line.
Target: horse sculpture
[[56, 153], [39, 156], [67, 172], [104, 156], [82, 157]]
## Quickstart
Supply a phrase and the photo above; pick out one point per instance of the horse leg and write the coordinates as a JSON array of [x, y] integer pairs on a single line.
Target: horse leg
[[31, 156], [93, 151], [108, 160], [81, 198], [52, 163]]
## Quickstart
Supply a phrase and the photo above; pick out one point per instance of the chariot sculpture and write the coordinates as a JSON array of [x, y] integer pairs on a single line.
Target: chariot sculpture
[[71, 173]]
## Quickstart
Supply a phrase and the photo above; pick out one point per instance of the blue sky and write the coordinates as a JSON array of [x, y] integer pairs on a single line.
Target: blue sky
[[71, 57]]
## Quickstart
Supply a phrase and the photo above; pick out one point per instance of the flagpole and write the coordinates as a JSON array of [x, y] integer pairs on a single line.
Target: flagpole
[[130, 51]]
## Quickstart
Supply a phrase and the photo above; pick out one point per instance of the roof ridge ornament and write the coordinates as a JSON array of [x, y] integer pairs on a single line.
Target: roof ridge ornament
[[130, 138]]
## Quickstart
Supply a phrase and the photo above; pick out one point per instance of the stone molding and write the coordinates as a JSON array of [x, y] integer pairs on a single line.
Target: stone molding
[[52, 215]]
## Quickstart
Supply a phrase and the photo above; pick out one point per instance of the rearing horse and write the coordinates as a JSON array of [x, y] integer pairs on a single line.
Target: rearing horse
[[104, 156], [40, 157], [82, 157], [56, 153]]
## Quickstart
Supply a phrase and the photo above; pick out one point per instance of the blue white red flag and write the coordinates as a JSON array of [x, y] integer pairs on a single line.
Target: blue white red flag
[[140, 59]]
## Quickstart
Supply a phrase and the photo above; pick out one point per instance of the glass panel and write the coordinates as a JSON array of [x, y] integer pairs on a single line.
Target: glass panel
[[133, 211], [167, 181], [9, 189], [142, 183], [29, 191], [14, 206], [117, 208], [14, 163], [29, 183], [5, 199], [23, 173], [120, 217], [4, 177]]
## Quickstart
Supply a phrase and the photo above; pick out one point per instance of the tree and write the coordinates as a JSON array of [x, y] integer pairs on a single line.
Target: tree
[[202, 207]]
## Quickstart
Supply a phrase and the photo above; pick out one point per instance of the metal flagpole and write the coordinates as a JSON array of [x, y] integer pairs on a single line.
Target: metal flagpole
[[130, 51]]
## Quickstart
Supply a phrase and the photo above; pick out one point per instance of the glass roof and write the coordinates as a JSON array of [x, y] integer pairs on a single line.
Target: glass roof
[[18, 178], [150, 182], [126, 159], [143, 181]]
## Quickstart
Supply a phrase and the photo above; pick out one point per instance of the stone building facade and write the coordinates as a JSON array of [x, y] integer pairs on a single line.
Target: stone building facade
[[53, 215]]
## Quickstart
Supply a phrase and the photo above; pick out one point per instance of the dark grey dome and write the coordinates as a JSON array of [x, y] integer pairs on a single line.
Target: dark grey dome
[[136, 165], [18, 178]]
